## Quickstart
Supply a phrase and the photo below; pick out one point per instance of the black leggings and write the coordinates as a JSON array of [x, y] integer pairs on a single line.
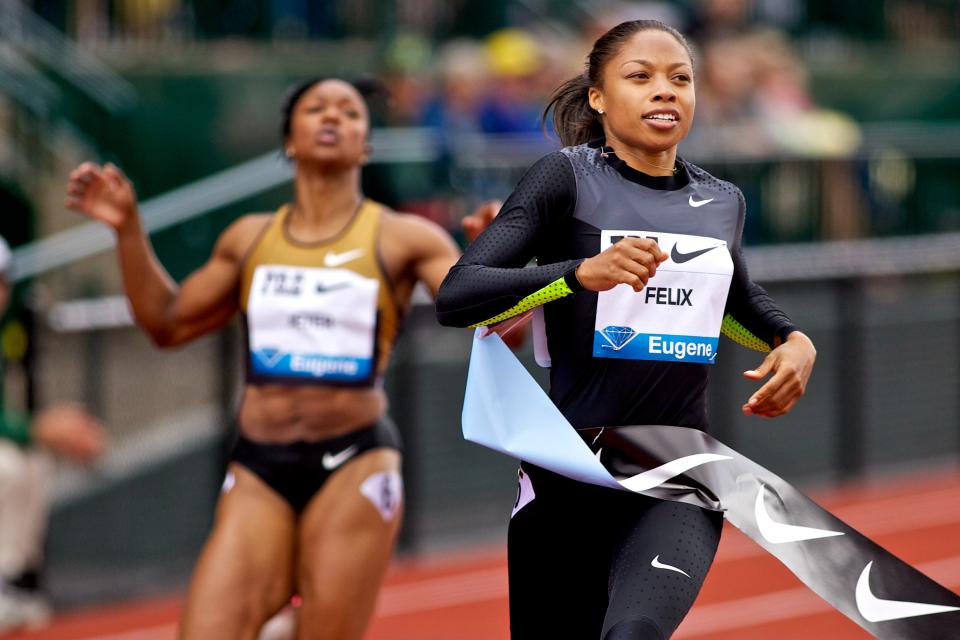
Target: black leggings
[[589, 563]]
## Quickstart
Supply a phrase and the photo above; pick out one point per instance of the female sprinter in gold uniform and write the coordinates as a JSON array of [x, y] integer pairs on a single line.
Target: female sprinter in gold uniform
[[314, 499]]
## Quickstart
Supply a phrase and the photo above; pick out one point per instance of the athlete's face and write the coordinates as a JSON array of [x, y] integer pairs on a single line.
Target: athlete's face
[[647, 93], [329, 126]]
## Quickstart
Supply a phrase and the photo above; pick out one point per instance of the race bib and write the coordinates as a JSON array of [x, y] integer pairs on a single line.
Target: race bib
[[676, 317], [316, 324]]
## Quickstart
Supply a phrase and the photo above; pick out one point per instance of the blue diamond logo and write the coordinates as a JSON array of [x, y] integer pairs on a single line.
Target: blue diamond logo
[[270, 356], [618, 337]]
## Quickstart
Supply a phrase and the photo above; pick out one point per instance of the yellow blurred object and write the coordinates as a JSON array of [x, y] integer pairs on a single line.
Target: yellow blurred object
[[13, 339], [818, 132], [513, 53]]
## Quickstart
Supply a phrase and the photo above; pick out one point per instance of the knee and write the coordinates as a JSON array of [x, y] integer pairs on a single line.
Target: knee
[[254, 605], [635, 629]]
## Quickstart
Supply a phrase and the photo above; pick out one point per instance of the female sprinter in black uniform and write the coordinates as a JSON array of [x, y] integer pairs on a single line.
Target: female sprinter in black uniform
[[610, 209], [314, 494]]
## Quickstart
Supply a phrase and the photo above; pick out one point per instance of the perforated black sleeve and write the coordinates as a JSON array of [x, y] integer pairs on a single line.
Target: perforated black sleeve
[[492, 275], [749, 303]]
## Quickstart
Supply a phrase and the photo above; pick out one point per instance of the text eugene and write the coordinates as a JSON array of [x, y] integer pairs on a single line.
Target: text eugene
[[679, 349]]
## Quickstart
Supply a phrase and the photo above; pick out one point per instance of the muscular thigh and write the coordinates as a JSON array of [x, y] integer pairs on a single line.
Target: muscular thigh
[[658, 566], [245, 572], [346, 540]]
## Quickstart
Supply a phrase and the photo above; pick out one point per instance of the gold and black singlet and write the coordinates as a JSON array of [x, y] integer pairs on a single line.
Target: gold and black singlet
[[318, 313]]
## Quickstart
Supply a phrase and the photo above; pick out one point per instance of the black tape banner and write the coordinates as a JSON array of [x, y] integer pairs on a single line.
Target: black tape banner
[[506, 410], [868, 584]]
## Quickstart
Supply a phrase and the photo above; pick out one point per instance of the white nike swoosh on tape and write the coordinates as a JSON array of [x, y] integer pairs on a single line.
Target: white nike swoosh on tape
[[333, 461], [658, 475], [339, 259], [875, 609], [778, 532], [698, 203], [656, 564]]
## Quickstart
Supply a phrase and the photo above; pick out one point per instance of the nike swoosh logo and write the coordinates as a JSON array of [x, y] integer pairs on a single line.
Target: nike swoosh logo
[[658, 475], [339, 259], [698, 203], [656, 564], [780, 533], [680, 258], [875, 609], [323, 288], [332, 461]]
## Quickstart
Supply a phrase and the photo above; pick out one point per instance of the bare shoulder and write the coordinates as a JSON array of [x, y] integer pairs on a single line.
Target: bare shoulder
[[237, 239]]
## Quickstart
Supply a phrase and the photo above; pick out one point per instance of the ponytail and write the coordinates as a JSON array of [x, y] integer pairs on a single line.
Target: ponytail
[[573, 119]]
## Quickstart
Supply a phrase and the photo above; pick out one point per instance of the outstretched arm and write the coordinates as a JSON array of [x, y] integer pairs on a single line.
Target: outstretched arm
[[169, 313]]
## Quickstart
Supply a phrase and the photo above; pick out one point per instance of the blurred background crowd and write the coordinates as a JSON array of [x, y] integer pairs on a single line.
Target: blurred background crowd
[[198, 82], [839, 119]]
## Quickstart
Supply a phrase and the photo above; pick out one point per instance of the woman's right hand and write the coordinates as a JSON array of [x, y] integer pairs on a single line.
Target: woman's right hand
[[631, 261], [102, 193]]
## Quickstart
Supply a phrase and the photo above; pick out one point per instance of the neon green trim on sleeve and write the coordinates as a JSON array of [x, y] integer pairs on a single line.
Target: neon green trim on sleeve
[[15, 427], [741, 335], [553, 291]]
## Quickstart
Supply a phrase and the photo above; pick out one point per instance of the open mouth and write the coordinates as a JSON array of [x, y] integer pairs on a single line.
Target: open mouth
[[328, 136], [662, 119]]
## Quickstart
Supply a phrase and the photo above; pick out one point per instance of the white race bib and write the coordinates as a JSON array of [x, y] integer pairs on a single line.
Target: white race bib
[[677, 316], [316, 324]]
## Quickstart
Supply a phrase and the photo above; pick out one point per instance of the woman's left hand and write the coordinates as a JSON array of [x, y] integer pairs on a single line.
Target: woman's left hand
[[791, 364]]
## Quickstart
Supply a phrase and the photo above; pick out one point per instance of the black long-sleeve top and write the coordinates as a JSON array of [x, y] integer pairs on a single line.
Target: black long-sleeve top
[[555, 215]]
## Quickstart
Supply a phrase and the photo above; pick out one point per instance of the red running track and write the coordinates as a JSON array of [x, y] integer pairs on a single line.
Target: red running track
[[748, 595]]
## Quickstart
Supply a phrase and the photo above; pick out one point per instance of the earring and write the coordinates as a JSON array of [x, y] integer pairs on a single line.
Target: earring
[[600, 111], [289, 153]]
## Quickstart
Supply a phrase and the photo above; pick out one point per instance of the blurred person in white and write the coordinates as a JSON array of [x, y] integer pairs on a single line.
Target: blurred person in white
[[66, 431]]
